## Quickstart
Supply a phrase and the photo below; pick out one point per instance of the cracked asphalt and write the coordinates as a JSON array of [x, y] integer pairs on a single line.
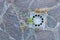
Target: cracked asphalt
[[10, 27]]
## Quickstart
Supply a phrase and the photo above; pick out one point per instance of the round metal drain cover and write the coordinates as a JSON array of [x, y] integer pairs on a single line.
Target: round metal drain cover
[[38, 20]]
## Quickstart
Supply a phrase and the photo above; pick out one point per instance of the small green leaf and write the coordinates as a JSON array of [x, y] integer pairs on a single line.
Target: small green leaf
[[30, 20]]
